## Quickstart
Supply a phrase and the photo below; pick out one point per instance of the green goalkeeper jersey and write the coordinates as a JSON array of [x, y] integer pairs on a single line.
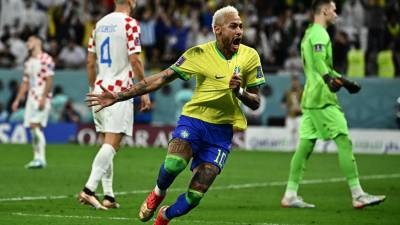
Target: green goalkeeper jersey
[[316, 52]]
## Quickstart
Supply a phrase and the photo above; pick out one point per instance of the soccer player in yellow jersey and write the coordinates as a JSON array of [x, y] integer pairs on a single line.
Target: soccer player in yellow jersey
[[227, 73]]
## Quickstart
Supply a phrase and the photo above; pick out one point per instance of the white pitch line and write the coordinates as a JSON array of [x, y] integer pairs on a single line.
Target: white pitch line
[[226, 187], [126, 218]]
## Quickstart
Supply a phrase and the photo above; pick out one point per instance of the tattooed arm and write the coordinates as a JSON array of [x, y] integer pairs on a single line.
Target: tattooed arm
[[147, 85]]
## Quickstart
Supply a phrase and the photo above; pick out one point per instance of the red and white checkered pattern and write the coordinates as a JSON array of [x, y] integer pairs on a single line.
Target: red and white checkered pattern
[[115, 37], [132, 29], [118, 85], [36, 71], [92, 42]]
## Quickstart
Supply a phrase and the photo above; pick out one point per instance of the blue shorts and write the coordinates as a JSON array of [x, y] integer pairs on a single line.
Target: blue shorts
[[210, 142]]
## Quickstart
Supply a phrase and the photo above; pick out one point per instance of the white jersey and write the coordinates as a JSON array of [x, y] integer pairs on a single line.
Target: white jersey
[[115, 37], [36, 70]]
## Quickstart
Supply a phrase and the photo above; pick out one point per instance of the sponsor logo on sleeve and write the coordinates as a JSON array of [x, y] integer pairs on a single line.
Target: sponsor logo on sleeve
[[260, 73], [137, 41], [180, 61], [318, 47]]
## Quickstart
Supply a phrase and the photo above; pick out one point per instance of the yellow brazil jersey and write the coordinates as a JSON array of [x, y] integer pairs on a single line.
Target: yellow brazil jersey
[[213, 101]]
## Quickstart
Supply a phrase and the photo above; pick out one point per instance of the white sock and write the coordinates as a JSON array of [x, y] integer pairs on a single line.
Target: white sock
[[107, 181], [290, 194], [159, 192], [356, 191], [39, 143], [101, 163], [34, 144]]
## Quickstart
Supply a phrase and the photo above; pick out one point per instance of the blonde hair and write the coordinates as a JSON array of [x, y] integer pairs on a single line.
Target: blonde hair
[[219, 15]]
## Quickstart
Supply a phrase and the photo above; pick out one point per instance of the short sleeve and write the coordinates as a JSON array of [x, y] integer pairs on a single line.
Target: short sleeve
[[92, 42], [255, 75], [48, 67], [132, 30], [187, 65]]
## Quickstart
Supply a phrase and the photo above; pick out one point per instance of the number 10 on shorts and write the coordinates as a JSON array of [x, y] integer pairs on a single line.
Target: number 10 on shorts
[[220, 160]]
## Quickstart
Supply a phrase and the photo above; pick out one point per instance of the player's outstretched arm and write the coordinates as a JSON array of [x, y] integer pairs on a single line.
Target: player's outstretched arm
[[147, 85]]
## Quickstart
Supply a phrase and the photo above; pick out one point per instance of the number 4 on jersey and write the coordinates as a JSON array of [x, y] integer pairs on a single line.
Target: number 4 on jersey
[[105, 56]]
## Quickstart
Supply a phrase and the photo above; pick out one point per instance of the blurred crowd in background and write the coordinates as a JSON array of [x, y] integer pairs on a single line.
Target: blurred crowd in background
[[366, 38]]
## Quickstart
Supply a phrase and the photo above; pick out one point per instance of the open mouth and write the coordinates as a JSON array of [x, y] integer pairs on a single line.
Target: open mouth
[[236, 43]]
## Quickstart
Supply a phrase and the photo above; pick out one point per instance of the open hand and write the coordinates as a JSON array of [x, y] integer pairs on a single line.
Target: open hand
[[103, 100]]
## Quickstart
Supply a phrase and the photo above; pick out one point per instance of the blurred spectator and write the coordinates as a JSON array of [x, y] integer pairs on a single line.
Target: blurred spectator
[[148, 34], [13, 88], [69, 114], [35, 19], [291, 102], [3, 113], [72, 56], [352, 18], [341, 46], [356, 61], [182, 96], [178, 38], [53, 50], [11, 12], [204, 36], [385, 61], [7, 59], [274, 28], [18, 49], [293, 64], [58, 104]]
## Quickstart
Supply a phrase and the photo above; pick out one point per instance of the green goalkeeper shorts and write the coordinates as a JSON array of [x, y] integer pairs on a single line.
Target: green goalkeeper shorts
[[326, 123]]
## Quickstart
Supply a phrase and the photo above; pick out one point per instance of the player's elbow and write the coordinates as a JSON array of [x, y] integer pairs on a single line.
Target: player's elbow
[[255, 107], [255, 104]]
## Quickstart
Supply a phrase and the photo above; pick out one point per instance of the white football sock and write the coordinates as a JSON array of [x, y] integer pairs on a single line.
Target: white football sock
[[356, 191], [101, 163], [159, 192], [34, 144], [39, 144], [107, 181], [290, 194]]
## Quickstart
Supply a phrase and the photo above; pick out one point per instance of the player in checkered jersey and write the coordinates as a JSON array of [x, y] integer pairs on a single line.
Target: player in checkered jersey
[[114, 48], [37, 80]]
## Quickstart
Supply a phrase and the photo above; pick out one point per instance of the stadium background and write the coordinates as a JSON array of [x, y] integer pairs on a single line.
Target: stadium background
[[274, 28]]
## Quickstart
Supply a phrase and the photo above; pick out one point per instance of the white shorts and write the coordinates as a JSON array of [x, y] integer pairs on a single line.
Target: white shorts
[[34, 115], [117, 118]]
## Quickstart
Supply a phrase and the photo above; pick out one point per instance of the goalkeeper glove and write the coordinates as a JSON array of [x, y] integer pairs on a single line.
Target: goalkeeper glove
[[351, 86], [333, 83]]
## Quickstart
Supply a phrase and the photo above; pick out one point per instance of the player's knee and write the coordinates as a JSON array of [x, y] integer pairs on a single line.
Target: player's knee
[[34, 135], [174, 164], [343, 141], [193, 197]]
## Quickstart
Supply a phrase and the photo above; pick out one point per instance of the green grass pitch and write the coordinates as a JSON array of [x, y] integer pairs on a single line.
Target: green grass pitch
[[248, 191]]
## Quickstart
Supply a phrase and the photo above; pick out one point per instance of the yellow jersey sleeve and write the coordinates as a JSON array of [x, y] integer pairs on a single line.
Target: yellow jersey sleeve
[[188, 64], [254, 72]]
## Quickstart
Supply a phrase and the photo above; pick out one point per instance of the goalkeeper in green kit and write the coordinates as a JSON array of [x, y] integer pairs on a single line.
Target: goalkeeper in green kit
[[322, 116]]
